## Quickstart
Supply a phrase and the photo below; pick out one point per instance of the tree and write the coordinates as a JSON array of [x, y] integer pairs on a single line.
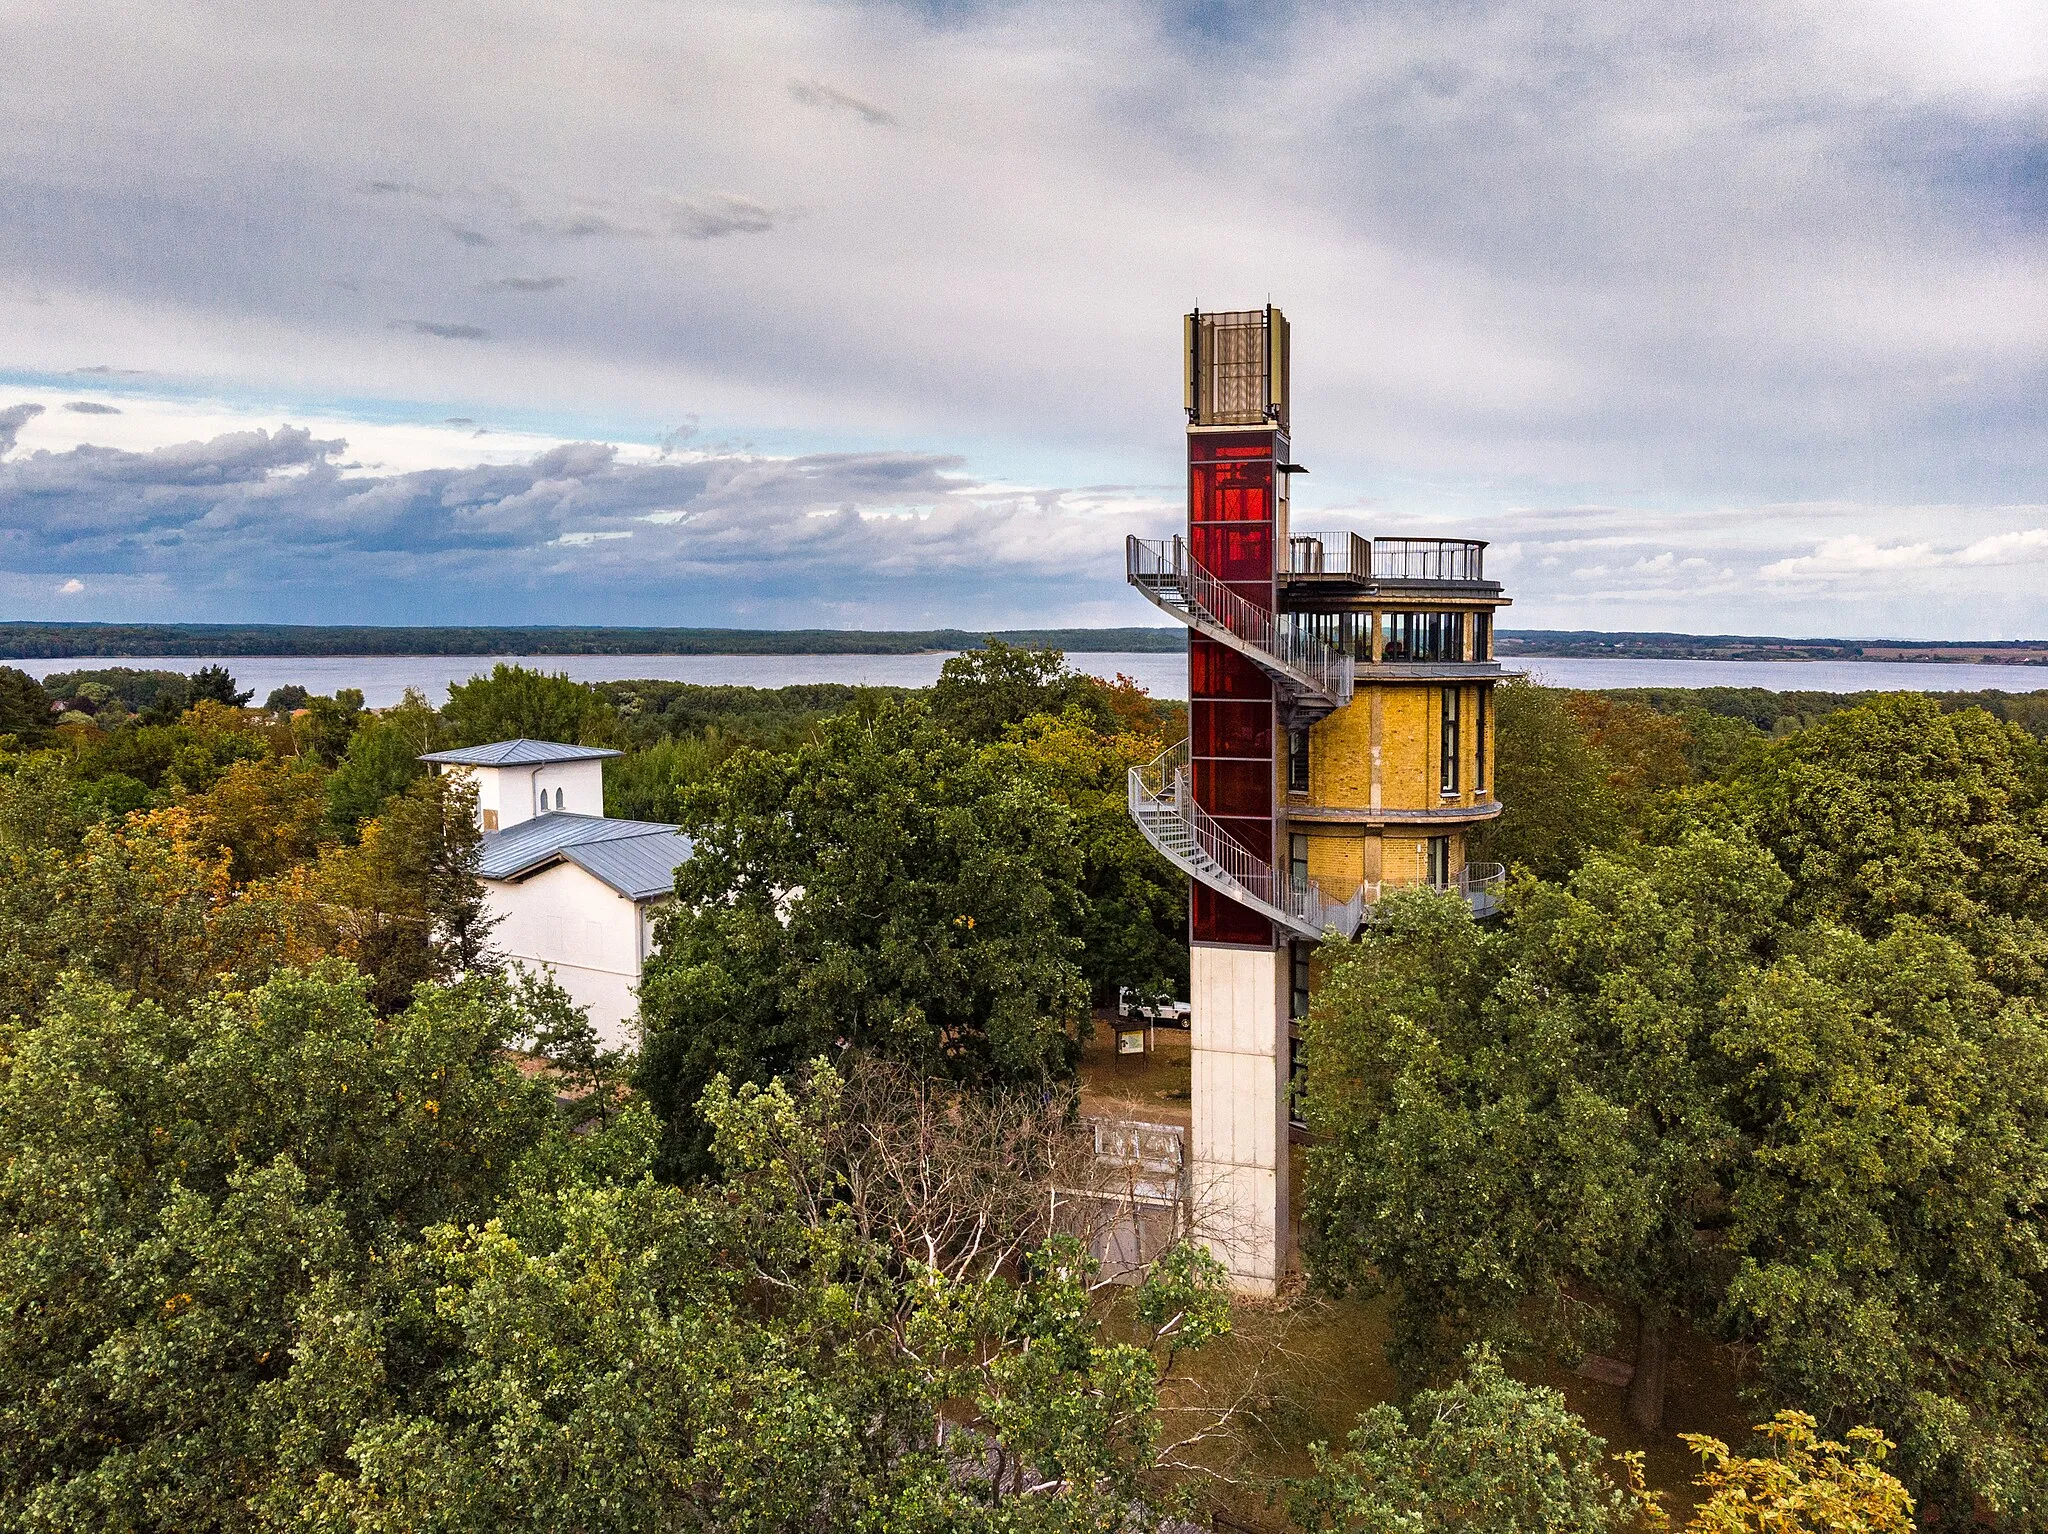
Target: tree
[[1804, 1483], [267, 813], [888, 888], [1557, 801], [24, 708], [1485, 1455], [1503, 1115], [276, 1260], [514, 702], [214, 684], [381, 761], [287, 699], [589, 1076], [981, 693], [1133, 921], [1897, 809], [328, 724], [1887, 1219], [177, 1185]]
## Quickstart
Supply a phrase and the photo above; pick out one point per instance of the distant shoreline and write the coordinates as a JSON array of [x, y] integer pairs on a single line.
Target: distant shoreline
[[143, 641]]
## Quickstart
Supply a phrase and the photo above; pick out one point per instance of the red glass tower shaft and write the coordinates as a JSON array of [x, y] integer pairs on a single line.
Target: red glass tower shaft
[[1233, 483]]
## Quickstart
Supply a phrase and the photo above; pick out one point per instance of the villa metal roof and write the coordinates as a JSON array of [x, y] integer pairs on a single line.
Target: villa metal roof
[[519, 753], [638, 858]]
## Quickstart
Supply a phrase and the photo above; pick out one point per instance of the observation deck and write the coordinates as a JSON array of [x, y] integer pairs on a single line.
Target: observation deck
[[1344, 564]]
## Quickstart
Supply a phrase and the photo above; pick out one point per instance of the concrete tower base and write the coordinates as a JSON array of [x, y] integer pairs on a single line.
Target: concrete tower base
[[1238, 1159]]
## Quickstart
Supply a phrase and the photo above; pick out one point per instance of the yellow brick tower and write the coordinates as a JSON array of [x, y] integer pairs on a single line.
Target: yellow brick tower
[[1340, 745]]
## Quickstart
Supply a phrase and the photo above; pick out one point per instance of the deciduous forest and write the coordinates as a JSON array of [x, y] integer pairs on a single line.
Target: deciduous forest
[[320, 1218]]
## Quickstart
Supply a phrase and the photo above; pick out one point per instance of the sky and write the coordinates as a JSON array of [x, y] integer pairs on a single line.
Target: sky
[[1710, 318]]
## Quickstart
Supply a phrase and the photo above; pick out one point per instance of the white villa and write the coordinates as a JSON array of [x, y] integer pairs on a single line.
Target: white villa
[[573, 891]]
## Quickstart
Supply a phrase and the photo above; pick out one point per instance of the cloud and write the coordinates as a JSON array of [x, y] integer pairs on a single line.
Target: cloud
[[817, 93], [101, 370], [1607, 282], [530, 284], [447, 332], [12, 419], [582, 226], [281, 514], [91, 407], [716, 217], [71, 588], [1855, 554]]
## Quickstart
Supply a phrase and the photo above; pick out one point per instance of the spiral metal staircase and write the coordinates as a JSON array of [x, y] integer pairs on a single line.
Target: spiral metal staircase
[[1312, 680]]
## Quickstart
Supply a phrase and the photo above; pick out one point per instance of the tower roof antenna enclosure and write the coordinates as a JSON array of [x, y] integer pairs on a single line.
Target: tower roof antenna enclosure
[[1339, 745], [1236, 367]]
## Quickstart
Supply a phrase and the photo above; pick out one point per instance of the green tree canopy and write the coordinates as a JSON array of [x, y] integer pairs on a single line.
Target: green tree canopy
[[981, 693], [1899, 809], [24, 708], [1649, 1098], [277, 1262], [1484, 1455], [888, 887], [514, 702]]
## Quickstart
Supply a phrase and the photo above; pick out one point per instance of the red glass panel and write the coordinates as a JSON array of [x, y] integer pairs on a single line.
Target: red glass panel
[[1230, 493], [1214, 918], [1232, 729], [1234, 551], [1227, 785], [1216, 671], [1214, 447]]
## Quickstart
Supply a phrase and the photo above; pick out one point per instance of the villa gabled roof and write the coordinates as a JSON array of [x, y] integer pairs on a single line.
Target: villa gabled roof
[[638, 858], [519, 753]]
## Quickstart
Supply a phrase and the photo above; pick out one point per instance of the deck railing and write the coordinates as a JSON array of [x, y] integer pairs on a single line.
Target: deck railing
[[1428, 559], [1355, 557]]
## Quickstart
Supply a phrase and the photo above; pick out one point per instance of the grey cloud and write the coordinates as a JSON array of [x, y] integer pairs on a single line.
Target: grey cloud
[[101, 370], [12, 419], [283, 512], [713, 218], [469, 237], [581, 226], [92, 407], [530, 284], [817, 93], [446, 331]]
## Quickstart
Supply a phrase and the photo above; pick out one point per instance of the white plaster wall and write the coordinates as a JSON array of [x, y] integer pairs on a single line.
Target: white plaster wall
[[1238, 1161], [513, 794], [592, 936], [581, 785]]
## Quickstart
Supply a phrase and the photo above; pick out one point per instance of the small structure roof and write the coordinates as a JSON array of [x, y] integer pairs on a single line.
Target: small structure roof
[[638, 858], [519, 753]]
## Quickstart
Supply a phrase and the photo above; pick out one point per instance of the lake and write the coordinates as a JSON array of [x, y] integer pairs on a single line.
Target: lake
[[383, 678]]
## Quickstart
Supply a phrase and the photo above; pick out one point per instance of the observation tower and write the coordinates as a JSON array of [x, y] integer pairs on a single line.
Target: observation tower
[[1340, 745]]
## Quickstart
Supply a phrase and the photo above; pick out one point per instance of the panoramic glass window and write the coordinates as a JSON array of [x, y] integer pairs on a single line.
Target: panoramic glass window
[[1422, 636]]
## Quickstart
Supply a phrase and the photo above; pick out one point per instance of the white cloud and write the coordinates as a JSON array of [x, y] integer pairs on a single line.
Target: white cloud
[[71, 588]]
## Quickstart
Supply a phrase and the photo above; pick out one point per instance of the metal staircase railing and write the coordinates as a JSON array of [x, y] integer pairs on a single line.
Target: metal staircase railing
[[1168, 575], [1163, 804]]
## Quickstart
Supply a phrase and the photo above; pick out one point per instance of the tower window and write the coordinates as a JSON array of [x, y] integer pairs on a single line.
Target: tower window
[[1297, 1083], [1297, 861], [1479, 741], [1423, 636], [1438, 853], [1449, 741], [1298, 952], [1297, 761], [1482, 636]]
